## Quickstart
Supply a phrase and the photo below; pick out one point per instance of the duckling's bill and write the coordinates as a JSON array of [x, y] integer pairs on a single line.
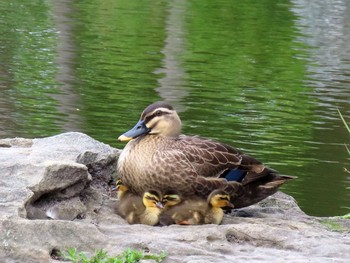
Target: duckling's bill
[[139, 129], [230, 205], [160, 205]]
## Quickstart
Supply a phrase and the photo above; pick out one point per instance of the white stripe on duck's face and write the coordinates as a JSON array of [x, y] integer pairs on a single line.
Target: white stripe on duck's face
[[162, 121]]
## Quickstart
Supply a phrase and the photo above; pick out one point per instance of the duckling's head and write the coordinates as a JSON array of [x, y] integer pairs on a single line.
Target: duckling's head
[[121, 189], [171, 198], [159, 118], [219, 199], [152, 199]]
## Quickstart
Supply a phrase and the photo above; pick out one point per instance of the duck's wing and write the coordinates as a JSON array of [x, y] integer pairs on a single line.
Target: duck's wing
[[211, 158], [184, 175]]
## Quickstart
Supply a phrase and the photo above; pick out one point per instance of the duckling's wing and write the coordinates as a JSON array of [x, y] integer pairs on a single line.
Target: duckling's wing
[[129, 205], [190, 212]]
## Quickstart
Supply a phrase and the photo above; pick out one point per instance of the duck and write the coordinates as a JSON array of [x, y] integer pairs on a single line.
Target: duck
[[194, 211], [157, 156], [136, 209]]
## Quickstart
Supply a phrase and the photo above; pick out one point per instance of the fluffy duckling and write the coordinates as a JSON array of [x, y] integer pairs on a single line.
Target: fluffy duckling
[[150, 212], [217, 200], [136, 209], [122, 190], [195, 211], [170, 199]]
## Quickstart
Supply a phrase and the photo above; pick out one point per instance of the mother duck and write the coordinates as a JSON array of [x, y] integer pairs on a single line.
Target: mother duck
[[158, 157]]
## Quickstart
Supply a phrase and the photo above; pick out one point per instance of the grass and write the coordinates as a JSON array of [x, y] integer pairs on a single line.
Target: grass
[[347, 216], [347, 127], [101, 256], [334, 226]]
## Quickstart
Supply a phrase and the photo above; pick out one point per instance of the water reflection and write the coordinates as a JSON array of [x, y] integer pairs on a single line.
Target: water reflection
[[172, 86], [325, 28], [27, 55], [68, 98], [264, 76]]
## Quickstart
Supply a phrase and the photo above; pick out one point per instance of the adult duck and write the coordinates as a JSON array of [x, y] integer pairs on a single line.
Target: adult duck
[[158, 157]]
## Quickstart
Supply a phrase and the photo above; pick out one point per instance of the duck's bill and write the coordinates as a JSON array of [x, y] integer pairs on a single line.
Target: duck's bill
[[139, 129]]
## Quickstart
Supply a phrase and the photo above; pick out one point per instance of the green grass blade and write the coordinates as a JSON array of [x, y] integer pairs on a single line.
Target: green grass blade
[[342, 118], [347, 148]]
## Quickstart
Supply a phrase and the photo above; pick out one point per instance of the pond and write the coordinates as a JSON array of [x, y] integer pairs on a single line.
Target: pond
[[266, 77]]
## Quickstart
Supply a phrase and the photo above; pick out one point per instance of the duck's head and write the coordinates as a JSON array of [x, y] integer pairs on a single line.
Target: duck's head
[[219, 199], [171, 198], [159, 118], [152, 199]]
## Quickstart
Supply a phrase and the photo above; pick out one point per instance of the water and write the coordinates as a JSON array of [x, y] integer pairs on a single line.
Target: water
[[266, 77]]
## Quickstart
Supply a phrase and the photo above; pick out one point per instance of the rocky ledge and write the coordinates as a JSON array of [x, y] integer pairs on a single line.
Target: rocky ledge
[[55, 194]]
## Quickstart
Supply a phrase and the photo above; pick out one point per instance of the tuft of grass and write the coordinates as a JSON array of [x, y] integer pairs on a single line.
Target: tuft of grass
[[334, 226], [101, 256], [346, 126], [342, 118], [347, 216]]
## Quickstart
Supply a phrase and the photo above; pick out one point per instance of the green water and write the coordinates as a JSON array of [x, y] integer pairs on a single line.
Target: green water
[[265, 76]]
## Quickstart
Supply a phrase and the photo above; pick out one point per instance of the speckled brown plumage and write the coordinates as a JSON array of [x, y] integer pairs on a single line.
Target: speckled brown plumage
[[160, 158]]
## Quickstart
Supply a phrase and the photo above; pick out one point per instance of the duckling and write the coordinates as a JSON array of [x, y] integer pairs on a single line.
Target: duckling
[[217, 200], [170, 199], [140, 210], [122, 190], [195, 211], [159, 157]]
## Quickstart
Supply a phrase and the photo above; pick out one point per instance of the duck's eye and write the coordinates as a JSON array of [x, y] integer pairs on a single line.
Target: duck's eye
[[158, 113]]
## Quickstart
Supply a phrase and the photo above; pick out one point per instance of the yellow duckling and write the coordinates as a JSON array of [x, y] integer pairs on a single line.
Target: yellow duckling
[[122, 190], [136, 209], [195, 211], [170, 199]]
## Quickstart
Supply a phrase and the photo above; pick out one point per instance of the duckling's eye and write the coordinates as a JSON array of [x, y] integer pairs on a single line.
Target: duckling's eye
[[226, 198], [152, 198], [167, 199]]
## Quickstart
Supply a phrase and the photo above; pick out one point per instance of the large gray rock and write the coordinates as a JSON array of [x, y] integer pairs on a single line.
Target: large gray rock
[[55, 194]]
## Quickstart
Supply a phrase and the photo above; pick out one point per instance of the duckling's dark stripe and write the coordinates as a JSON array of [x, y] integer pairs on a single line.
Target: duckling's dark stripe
[[168, 198], [225, 198], [152, 198]]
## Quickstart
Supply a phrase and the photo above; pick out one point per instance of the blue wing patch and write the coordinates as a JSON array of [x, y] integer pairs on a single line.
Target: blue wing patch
[[234, 175]]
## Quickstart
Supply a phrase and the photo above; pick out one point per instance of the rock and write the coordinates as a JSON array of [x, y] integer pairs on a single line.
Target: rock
[[55, 193], [67, 209]]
